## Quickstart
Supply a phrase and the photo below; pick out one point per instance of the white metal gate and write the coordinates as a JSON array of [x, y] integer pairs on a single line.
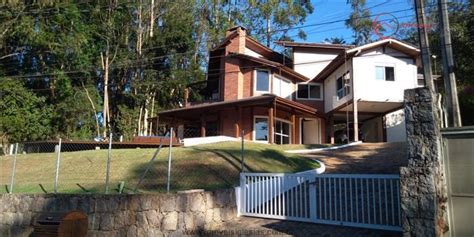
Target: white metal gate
[[368, 201]]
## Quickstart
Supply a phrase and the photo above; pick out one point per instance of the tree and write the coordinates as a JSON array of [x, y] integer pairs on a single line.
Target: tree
[[335, 40], [270, 20], [23, 115], [461, 17], [360, 22]]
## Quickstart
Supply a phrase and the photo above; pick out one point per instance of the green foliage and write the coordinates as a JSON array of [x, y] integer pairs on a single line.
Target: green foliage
[[272, 20], [55, 51], [335, 40], [360, 22], [23, 115], [461, 20]]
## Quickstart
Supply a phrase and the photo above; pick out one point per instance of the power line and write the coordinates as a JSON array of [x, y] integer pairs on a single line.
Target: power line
[[183, 43]]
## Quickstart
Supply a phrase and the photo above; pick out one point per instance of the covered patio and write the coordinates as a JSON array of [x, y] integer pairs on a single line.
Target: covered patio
[[362, 120], [248, 117]]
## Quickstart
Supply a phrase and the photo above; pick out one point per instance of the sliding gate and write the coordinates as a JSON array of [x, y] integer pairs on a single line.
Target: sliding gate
[[367, 201]]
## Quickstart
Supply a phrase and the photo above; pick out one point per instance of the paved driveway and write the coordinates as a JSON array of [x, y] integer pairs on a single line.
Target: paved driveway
[[366, 158]]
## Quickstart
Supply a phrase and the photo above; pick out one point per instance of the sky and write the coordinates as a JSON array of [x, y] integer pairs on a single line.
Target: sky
[[333, 10]]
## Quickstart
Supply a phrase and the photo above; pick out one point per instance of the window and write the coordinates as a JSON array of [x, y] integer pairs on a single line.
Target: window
[[309, 91], [342, 85], [261, 129], [262, 80], [282, 132], [282, 87], [384, 73]]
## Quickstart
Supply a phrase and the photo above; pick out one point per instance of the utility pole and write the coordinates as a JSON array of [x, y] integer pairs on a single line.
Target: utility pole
[[424, 44], [454, 116]]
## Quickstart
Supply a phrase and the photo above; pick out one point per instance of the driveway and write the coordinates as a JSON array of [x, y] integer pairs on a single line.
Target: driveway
[[365, 158]]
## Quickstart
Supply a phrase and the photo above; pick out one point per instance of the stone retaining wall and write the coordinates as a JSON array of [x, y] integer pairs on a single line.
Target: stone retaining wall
[[123, 215]]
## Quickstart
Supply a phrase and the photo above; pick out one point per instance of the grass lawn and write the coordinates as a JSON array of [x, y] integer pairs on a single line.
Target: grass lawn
[[208, 167]]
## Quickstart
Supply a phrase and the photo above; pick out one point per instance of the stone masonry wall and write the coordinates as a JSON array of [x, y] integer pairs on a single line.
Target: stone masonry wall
[[123, 215], [422, 183]]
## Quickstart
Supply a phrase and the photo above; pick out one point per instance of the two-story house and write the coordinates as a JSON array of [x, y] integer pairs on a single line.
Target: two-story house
[[303, 99]]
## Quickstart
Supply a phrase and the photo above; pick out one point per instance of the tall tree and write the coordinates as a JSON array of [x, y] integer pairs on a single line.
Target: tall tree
[[271, 20], [360, 22]]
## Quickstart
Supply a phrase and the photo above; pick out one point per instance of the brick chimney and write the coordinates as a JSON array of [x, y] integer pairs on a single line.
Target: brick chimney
[[237, 44], [232, 86]]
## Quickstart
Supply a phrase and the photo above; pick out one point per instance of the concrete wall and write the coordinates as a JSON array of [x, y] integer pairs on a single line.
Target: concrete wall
[[395, 126], [123, 215], [367, 88]]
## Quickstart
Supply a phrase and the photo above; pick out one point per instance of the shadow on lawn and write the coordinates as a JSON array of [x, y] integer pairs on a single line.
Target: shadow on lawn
[[217, 168], [186, 174]]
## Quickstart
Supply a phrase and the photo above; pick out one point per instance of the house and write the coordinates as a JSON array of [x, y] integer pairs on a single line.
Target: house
[[302, 99]]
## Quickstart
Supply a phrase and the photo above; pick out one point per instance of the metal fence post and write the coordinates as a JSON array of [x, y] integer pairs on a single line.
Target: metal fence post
[[242, 151], [109, 157], [12, 181], [58, 160], [169, 160]]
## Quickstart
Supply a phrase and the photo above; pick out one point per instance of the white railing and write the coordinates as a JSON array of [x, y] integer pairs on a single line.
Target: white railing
[[368, 201]]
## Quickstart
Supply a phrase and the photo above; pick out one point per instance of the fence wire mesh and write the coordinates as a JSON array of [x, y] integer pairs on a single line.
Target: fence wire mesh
[[65, 166]]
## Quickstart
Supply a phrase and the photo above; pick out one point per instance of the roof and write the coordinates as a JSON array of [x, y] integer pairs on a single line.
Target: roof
[[354, 52], [314, 45], [249, 101], [249, 43], [273, 64]]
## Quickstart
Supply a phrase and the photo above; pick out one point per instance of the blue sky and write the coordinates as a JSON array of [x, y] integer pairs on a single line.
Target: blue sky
[[333, 10]]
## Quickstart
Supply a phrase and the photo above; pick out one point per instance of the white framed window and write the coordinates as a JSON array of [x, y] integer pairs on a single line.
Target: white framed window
[[282, 132], [260, 129], [385, 73], [262, 80], [310, 91], [343, 85], [282, 87]]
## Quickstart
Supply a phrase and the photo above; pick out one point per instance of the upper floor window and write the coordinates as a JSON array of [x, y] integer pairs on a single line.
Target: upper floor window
[[262, 80], [310, 91], [342, 85], [384, 73]]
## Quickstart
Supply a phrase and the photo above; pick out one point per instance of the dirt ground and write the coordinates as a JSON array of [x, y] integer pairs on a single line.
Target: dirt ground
[[366, 158]]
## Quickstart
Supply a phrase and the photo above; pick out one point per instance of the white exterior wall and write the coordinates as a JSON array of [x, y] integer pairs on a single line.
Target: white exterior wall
[[252, 53], [367, 88], [309, 63], [330, 99], [395, 126]]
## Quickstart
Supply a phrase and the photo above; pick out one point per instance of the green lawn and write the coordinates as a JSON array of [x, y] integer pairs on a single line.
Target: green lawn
[[208, 167]]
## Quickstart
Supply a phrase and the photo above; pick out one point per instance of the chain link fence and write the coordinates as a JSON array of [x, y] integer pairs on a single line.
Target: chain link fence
[[65, 166]]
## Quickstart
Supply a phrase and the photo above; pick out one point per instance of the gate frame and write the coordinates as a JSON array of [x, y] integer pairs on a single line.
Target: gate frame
[[313, 217]]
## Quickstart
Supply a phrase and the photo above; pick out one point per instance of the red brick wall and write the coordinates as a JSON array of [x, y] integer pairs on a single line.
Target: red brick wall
[[227, 122], [248, 82], [230, 82]]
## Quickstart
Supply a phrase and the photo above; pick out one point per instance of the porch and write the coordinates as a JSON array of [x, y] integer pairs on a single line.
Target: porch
[[292, 122]]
